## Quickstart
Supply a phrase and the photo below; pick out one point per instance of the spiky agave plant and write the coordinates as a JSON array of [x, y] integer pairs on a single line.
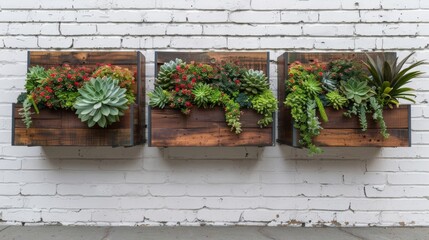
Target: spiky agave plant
[[389, 79], [101, 102]]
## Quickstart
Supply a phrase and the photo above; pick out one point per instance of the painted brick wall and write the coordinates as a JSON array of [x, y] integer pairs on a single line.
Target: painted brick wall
[[174, 186]]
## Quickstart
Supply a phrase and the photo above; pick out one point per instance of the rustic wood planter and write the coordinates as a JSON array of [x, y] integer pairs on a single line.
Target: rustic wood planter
[[64, 128], [341, 131], [207, 127]]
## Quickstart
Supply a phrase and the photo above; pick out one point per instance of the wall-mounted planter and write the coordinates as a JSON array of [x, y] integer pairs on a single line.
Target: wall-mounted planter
[[207, 127], [341, 131], [64, 128]]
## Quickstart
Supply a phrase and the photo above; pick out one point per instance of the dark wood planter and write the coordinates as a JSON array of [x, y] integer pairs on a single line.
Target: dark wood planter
[[64, 128], [341, 131], [207, 127]]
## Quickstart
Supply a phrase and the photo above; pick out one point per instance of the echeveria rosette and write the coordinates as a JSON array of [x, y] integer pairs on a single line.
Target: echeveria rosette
[[101, 102]]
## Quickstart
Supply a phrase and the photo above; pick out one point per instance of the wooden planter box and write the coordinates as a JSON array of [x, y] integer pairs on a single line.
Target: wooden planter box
[[341, 131], [207, 127], [64, 128]]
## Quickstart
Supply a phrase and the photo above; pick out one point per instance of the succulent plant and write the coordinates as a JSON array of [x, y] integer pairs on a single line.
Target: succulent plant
[[389, 79], [25, 112], [336, 100], [35, 76], [311, 85], [329, 84], [101, 102], [265, 104], [202, 92], [357, 91], [164, 76], [254, 82], [243, 100], [158, 98]]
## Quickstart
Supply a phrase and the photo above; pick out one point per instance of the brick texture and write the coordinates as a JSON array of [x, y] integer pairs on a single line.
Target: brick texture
[[227, 186]]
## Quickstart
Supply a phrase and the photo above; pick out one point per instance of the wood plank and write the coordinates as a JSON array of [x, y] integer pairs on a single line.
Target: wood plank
[[199, 118], [307, 57], [249, 137], [396, 118], [171, 128], [72, 137], [251, 60], [208, 137], [49, 118], [140, 117], [357, 138], [48, 58]]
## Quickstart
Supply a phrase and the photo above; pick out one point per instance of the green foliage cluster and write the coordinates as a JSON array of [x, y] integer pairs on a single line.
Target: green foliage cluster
[[184, 86], [345, 84], [101, 102], [60, 88]]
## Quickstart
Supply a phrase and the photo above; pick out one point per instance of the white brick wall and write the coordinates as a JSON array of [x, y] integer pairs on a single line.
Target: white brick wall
[[274, 185]]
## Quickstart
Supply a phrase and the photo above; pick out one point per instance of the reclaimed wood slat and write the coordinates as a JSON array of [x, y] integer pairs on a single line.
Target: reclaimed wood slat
[[170, 126], [207, 127], [340, 131], [355, 137], [72, 137], [255, 60], [64, 128]]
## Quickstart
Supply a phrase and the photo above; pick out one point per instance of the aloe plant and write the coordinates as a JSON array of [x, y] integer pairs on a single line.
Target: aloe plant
[[390, 77]]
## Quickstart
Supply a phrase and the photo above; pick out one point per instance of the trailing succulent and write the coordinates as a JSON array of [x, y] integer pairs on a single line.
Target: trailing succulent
[[345, 84], [101, 102], [35, 77], [184, 86], [61, 87]]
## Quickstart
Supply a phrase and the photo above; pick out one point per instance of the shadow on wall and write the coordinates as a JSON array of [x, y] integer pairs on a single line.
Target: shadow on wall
[[337, 153], [93, 158]]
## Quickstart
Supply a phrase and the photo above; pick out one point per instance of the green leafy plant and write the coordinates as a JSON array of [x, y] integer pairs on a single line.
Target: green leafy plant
[[224, 84], [35, 76], [336, 100], [166, 71], [59, 89], [202, 92], [345, 84], [390, 77], [158, 98], [244, 100], [303, 110], [232, 113], [124, 76], [254, 82], [25, 112], [357, 91], [265, 104], [101, 102]]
